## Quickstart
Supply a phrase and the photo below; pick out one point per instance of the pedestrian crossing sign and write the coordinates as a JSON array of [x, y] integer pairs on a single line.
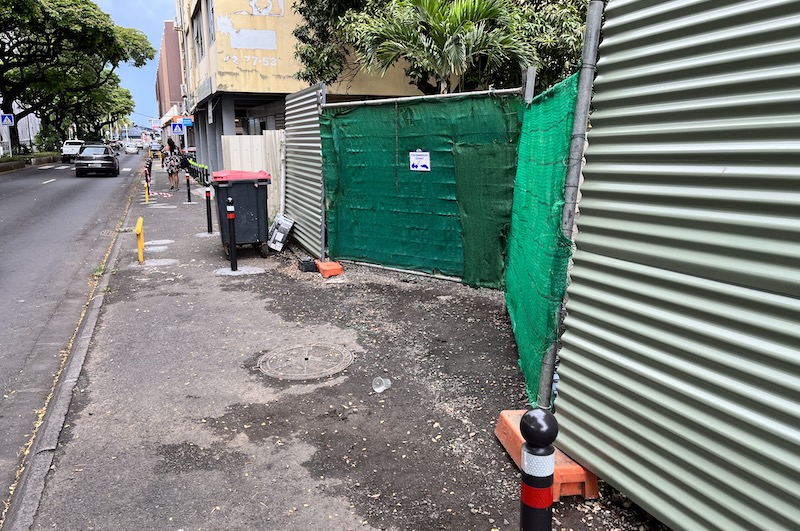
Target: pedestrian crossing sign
[[6, 119], [177, 128]]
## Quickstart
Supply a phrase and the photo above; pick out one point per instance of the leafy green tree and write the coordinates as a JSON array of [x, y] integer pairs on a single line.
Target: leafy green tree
[[321, 47], [89, 111], [443, 40], [555, 30], [60, 46], [480, 52]]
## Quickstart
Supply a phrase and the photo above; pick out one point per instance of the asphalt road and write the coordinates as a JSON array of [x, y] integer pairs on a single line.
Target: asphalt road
[[55, 230]]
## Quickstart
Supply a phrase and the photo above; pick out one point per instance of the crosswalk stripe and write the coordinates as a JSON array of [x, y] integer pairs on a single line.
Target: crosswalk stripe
[[45, 167], [62, 167], [127, 169]]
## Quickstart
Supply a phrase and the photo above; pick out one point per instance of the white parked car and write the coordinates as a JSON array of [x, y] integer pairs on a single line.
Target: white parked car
[[131, 148]]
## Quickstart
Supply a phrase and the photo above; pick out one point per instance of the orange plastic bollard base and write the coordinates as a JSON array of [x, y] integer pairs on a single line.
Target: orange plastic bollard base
[[569, 478], [329, 269]]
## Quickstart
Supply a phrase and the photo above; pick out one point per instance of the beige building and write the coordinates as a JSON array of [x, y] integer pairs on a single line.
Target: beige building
[[238, 65]]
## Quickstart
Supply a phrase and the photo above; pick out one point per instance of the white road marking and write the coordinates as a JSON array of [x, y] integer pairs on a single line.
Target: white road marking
[[127, 169], [45, 167], [63, 167], [47, 182]]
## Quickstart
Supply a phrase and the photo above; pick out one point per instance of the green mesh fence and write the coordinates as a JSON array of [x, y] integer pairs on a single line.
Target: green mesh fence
[[453, 219], [538, 253]]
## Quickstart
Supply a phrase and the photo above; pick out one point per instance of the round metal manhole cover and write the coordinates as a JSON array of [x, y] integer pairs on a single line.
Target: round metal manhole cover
[[305, 362]]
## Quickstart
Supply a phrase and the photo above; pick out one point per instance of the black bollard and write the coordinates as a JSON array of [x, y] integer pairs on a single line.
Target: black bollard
[[232, 233], [188, 191], [208, 207], [539, 429]]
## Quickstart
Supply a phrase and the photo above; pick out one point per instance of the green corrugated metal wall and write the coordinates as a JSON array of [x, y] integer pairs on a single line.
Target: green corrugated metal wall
[[680, 372]]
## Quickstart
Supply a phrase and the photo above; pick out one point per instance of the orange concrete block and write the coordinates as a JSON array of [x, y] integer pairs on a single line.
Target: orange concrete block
[[569, 478], [507, 431], [329, 269]]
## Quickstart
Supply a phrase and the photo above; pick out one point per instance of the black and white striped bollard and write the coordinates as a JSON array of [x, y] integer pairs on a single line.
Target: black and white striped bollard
[[539, 429], [232, 233]]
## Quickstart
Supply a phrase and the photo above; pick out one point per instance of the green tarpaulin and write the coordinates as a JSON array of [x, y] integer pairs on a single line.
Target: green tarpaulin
[[451, 217]]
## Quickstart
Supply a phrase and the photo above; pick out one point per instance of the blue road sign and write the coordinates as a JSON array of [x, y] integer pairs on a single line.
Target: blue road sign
[[6, 119], [177, 128]]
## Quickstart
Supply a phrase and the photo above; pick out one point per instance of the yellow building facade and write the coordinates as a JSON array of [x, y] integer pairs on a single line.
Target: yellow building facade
[[238, 66]]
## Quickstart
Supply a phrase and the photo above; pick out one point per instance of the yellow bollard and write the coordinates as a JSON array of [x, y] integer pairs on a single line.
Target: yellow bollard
[[140, 238], [146, 193]]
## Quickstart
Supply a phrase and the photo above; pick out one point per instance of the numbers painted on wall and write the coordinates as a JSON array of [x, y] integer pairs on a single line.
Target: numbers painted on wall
[[251, 60]]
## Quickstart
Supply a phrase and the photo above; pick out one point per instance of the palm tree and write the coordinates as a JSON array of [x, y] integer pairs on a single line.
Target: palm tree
[[447, 40]]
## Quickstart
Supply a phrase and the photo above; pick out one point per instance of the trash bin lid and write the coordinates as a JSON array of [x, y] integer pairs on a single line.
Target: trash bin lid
[[240, 175]]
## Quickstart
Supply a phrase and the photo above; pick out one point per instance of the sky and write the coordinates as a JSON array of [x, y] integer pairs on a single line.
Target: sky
[[147, 16]]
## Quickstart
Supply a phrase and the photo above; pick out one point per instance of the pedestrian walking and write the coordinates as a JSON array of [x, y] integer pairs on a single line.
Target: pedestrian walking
[[172, 163]]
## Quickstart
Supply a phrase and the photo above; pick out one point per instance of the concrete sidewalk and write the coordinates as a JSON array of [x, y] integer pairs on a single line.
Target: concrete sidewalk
[[174, 424]]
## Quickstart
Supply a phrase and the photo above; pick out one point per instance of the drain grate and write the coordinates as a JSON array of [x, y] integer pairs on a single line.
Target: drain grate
[[305, 362], [107, 232]]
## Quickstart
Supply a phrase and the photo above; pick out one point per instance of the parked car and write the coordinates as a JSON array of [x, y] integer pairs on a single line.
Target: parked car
[[96, 158], [155, 146], [131, 148], [139, 144], [70, 149]]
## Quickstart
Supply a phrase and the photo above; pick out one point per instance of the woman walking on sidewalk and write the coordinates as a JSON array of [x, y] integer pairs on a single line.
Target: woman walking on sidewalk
[[172, 163]]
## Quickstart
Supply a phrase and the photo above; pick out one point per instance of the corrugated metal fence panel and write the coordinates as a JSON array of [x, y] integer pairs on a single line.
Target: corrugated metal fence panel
[[680, 372], [304, 186]]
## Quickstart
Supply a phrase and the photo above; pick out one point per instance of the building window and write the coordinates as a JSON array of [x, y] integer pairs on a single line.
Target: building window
[[197, 34], [211, 32]]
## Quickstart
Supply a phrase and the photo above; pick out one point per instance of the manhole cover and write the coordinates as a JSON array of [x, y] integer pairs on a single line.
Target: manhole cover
[[305, 362]]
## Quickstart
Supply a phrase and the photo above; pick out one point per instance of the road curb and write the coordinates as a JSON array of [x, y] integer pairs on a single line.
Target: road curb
[[24, 502]]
